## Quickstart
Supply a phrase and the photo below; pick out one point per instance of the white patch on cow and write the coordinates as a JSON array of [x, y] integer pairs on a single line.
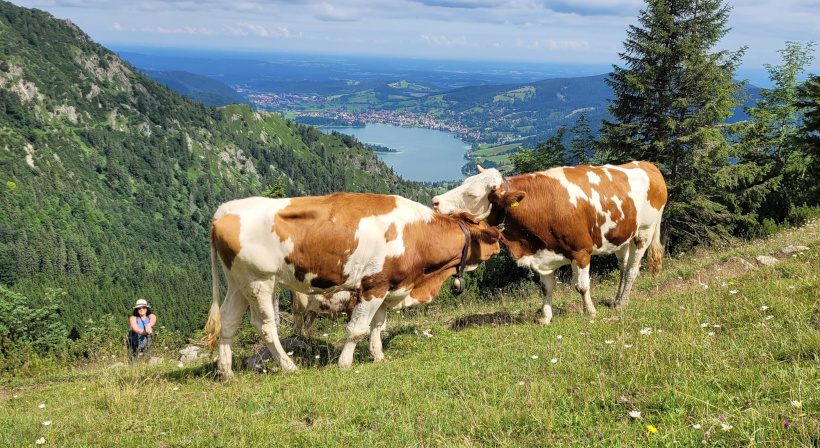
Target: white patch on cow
[[544, 261], [262, 249], [594, 179], [605, 169], [575, 192], [372, 250]]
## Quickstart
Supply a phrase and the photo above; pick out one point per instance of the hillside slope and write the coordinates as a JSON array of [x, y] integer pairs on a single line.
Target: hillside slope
[[109, 179]]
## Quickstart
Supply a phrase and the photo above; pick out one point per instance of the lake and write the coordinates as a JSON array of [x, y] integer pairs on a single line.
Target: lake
[[425, 154]]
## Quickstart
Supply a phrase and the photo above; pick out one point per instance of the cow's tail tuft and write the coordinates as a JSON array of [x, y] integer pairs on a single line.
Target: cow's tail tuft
[[214, 324], [654, 254]]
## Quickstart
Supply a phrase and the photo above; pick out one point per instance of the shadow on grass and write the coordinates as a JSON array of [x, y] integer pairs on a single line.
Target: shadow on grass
[[499, 318]]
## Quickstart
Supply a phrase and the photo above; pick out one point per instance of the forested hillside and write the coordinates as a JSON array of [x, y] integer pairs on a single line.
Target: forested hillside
[[199, 88], [109, 179]]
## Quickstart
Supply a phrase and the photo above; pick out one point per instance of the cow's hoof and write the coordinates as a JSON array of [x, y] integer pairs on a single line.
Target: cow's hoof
[[379, 358], [226, 377], [288, 366], [544, 322]]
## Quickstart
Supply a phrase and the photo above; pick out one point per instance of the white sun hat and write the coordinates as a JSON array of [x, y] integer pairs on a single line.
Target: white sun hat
[[142, 302]]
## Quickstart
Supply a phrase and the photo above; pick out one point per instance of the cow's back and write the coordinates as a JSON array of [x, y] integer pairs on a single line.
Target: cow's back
[[569, 209]]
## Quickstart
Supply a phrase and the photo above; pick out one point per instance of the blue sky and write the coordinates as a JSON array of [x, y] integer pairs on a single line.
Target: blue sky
[[552, 31]]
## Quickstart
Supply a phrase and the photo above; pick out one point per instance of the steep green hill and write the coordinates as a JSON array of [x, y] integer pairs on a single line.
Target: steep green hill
[[109, 179]]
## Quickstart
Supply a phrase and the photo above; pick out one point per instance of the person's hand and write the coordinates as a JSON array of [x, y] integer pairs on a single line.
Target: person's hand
[[149, 330]]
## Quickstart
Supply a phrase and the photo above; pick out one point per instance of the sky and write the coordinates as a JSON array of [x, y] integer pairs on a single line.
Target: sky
[[544, 31]]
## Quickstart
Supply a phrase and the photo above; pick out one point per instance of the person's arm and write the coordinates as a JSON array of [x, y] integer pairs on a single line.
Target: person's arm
[[152, 320], [132, 321]]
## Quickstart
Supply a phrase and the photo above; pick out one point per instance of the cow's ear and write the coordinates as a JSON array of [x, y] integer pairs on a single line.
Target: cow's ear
[[490, 235], [466, 217], [511, 198]]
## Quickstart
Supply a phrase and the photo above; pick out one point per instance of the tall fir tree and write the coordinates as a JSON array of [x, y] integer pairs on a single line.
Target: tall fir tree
[[808, 136], [770, 140], [671, 100]]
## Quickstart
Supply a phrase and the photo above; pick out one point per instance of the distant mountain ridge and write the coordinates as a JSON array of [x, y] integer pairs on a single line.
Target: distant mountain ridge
[[198, 87], [108, 179]]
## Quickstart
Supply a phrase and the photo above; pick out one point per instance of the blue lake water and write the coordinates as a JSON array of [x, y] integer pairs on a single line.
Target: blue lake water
[[425, 154]]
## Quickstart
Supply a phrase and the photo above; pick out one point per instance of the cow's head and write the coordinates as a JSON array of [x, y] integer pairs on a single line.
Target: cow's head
[[476, 195]]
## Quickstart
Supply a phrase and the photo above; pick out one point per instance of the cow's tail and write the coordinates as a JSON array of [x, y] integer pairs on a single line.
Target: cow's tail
[[214, 325], [654, 254]]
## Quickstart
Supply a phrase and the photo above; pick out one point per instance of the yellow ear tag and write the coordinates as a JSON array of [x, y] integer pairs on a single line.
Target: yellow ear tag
[[514, 204]]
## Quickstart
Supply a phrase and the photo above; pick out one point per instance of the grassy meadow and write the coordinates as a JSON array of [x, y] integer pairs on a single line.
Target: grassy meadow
[[707, 354]]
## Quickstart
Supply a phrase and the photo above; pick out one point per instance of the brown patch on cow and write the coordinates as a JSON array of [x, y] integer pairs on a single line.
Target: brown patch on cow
[[657, 193], [325, 227], [225, 238], [391, 233], [436, 255]]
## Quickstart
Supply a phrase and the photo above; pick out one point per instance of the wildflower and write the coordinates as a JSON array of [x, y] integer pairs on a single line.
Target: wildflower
[[646, 331], [558, 337], [15, 396], [318, 356], [635, 414], [722, 417], [290, 353], [554, 360], [324, 335], [47, 422], [683, 307], [176, 388], [83, 388], [787, 424], [696, 426], [726, 426], [40, 441], [731, 283], [797, 404], [711, 333], [651, 429], [609, 341], [716, 326], [704, 325], [180, 365], [42, 406], [734, 291], [357, 371], [769, 317], [534, 356], [473, 362], [764, 308], [520, 383], [627, 345]]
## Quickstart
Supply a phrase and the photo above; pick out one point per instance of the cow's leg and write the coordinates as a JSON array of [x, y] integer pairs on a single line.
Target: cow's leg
[[231, 312], [358, 327], [308, 318], [623, 259], [581, 283], [263, 317], [547, 286], [629, 273], [377, 324]]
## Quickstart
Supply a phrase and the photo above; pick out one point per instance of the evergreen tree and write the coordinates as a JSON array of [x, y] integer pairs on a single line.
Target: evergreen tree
[[277, 190], [770, 139], [808, 137], [583, 143], [671, 100], [547, 154]]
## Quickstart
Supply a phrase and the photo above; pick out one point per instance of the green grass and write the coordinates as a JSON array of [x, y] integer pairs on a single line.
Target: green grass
[[486, 376]]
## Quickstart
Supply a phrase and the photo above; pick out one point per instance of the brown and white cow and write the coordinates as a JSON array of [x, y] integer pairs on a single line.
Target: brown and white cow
[[394, 252], [565, 215]]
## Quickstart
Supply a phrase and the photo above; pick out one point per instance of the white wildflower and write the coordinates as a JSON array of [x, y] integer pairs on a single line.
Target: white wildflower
[[646, 331], [764, 308], [47, 422], [704, 325], [635, 414], [554, 360], [696, 426], [734, 291], [180, 365], [40, 441], [797, 404], [558, 337], [627, 345], [534, 356], [520, 383], [42, 406], [609, 341]]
